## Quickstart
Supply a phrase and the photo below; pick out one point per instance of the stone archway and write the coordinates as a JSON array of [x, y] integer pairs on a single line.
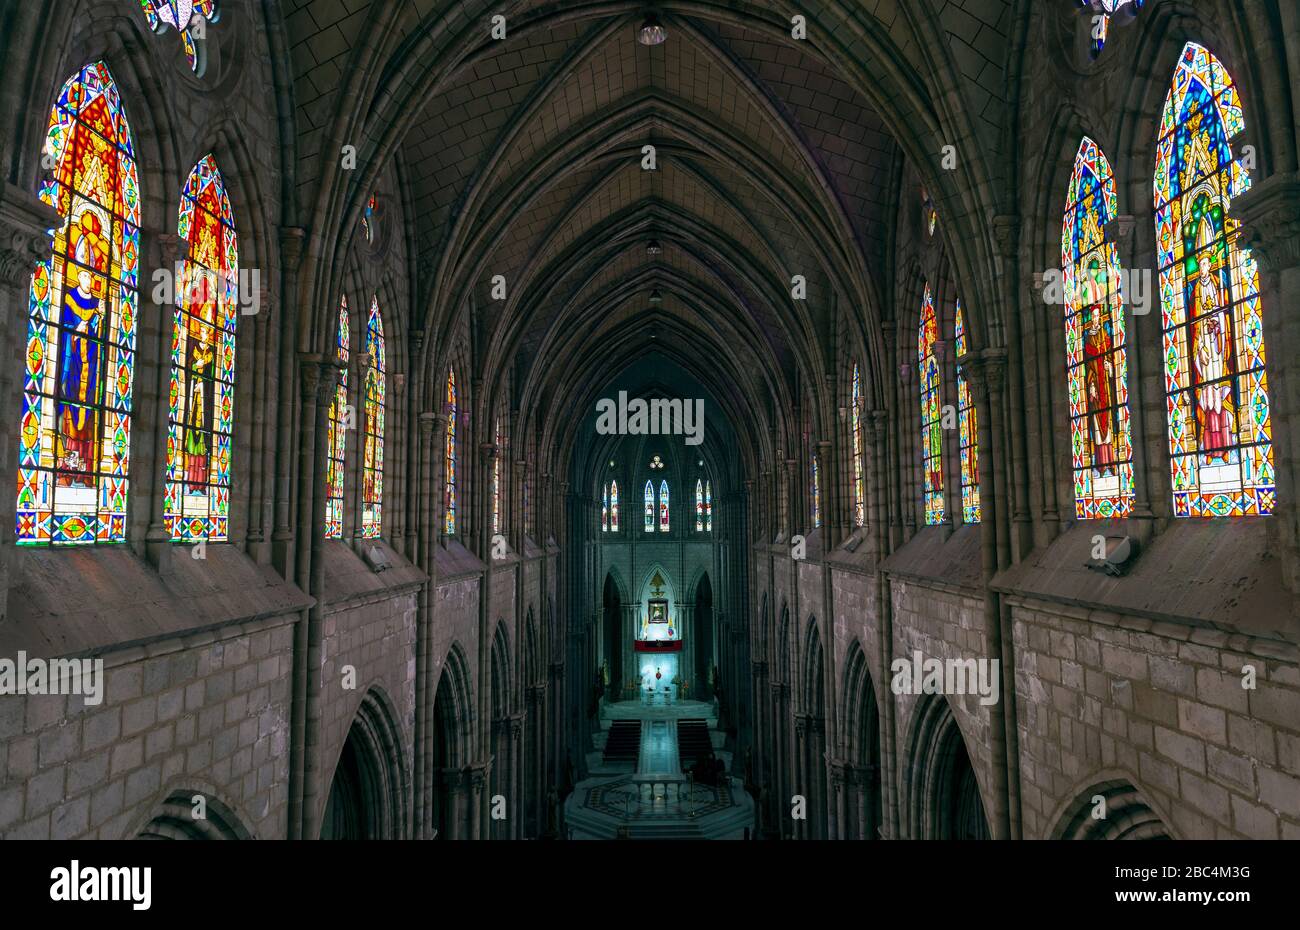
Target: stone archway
[[369, 791], [944, 800], [178, 818], [860, 802], [1111, 810]]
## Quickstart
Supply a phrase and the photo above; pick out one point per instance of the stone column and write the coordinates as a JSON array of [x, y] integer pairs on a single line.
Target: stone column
[[157, 541], [801, 774], [1139, 333], [1270, 216], [24, 241], [516, 796]]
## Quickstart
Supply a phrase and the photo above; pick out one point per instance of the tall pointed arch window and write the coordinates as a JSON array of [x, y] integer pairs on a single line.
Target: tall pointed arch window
[[188, 17], [1096, 343], [613, 506], [931, 430], [372, 459], [1220, 434], [663, 506], [75, 432], [202, 398], [859, 478], [338, 430], [968, 429], [699, 505], [449, 458], [604, 509], [815, 493], [708, 506], [649, 507]]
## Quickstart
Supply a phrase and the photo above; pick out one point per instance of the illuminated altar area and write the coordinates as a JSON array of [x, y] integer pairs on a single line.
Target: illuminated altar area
[[658, 645]]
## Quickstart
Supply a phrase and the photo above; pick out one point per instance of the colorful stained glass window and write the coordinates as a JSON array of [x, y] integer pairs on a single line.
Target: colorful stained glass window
[[75, 435], [968, 428], [708, 506], [1096, 343], [815, 493], [649, 507], [1220, 435], [202, 398], [499, 442], [928, 212], [613, 506], [1103, 10], [375, 410], [931, 410], [188, 17], [699, 505], [663, 506], [338, 432], [368, 219], [604, 509], [859, 478], [449, 457]]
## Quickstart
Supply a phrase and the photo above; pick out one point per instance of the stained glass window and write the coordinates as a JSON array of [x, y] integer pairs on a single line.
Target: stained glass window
[[189, 18], [74, 438], [202, 398], [859, 479], [604, 509], [1103, 10], [708, 506], [699, 505], [928, 212], [372, 458], [649, 507], [1220, 435], [449, 458], [663, 506], [338, 433], [613, 506], [368, 219], [499, 442], [816, 494], [931, 430], [1096, 344], [968, 429]]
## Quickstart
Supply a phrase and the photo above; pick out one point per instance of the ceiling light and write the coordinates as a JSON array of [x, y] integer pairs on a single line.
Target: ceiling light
[[656, 296], [653, 247], [652, 31]]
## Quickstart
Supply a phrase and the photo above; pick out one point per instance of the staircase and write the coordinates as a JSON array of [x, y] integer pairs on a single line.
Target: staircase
[[693, 741], [623, 743]]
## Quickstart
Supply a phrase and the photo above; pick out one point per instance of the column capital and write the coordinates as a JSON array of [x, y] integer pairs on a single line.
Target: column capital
[[986, 369], [1269, 214]]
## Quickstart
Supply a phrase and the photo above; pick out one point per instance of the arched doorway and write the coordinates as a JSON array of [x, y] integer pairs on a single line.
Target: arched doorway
[[450, 715], [861, 801], [944, 794], [810, 737], [702, 633], [613, 635], [368, 793], [504, 753]]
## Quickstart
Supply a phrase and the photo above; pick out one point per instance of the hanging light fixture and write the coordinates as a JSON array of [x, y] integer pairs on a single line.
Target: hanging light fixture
[[652, 31]]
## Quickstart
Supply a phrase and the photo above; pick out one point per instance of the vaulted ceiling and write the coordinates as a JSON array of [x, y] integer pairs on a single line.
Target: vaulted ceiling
[[523, 158]]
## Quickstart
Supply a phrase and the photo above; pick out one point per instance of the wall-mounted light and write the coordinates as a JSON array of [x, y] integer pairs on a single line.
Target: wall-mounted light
[[652, 32], [656, 296], [653, 247]]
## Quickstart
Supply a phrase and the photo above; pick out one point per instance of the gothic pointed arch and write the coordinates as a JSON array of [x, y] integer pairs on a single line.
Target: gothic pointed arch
[[370, 785]]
